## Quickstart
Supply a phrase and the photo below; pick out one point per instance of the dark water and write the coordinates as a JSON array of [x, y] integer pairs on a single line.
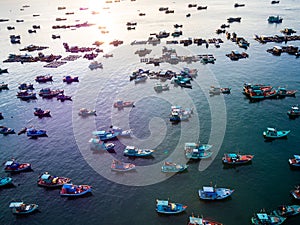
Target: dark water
[[263, 184]]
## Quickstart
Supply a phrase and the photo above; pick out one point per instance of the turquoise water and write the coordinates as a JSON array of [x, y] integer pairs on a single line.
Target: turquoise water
[[231, 123]]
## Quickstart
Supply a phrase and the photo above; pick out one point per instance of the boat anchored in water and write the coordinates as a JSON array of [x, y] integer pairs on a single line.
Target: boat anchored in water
[[268, 219], [272, 133], [49, 181], [72, 190], [171, 167], [202, 221], [213, 193], [136, 152], [294, 111], [13, 166], [295, 162], [22, 208], [120, 166], [166, 207], [287, 210], [197, 151], [236, 159]]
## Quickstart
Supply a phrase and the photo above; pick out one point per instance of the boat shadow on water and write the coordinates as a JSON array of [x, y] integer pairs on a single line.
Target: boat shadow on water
[[272, 139], [236, 166], [89, 194]]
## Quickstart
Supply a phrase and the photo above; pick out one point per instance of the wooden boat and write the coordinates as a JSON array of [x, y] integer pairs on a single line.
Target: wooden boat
[[48, 93], [6, 130], [201, 7], [121, 104], [264, 218], [46, 180], [295, 162], [274, 2], [41, 113], [95, 65], [213, 193], [170, 167], [22, 208], [3, 86], [86, 112], [120, 166], [63, 97], [5, 181], [97, 144], [159, 87], [72, 190], [236, 159], [283, 92], [296, 192], [140, 78], [32, 132], [70, 79], [166, 207], [197, 151], [294, 111], [1, 116], [275, 19], [272, 133], [26, 95], [25, 86], [238, 5], [13, 166], [202, 221], [3, 71], [287, 210], [234, 19], [135, 152], [122, 133], [43, 79], [216, 90]]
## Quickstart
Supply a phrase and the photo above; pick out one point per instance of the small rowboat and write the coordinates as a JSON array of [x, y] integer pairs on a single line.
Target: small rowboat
[[70, 79], [86, 112], [170, 167], [13, 166], [272, 133], [212, 193], [41, 113], [119, 166], [71, 190], [197, 151], [43, 79], [22, 208], [135, 152], [121, 104], [166, 207], [236, 159], [5, 181], [295, 162], [46, 180]]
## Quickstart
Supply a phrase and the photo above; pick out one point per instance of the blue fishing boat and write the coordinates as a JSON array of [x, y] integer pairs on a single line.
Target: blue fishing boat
[[31, 132], [236, 159], [295, 162], [120, 166], [202, 221], [170, 167], [71, 190], [97, 144], [13, 166], [136, 152], [267, 219], [106, 135], [213, 193], [5, 181], [272, 133], [6, 130], [197, 151], [287, 210], [294, 111], [22, 208], [166, 207]]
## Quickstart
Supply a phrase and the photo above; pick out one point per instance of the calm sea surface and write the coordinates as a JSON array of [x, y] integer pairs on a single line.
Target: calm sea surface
[[231, 123]]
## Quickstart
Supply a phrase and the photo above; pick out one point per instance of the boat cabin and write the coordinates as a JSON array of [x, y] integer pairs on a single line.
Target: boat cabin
[[263, 217]]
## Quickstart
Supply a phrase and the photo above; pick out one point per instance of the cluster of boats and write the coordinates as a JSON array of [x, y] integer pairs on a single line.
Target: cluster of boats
[[261, 91]]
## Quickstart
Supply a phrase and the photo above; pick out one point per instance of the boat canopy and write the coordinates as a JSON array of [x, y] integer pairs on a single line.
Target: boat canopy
[[232, 155], [196, 220], [100, 132], [9, 163], [208, 189], [45, 176], [271, 129], [15, 204], [262, 216], [163, 202], [130, 148]]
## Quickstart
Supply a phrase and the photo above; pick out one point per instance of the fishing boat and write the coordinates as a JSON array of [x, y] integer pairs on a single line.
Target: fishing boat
[[97, 144], [140, 78], [72, 190], [95, 65], [22, 208], [275, 19], [3, 86], [3, 71], [202, 221], [48, 93], [6, 130], [26, 95], [1, 116], [296, 192], [47, 180], [295, 162], [170, 167], [120, 166], [13, 166], [272, 133], [264, 218], [167, 207], [136, 152], [106, 135], [32, 132], [287, 210], [5, 181], [180, 114], [121, 104], [213, 193], [294, 111], [70, 79], [62, 97], [197, 151], [122, 133], [86, 112], [236, 159], [283, 92], [41, 113], [159, 87], [25, 86], [43, 79]]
